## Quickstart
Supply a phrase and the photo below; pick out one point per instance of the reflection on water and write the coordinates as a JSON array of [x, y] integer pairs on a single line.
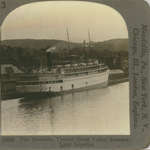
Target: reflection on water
[[99, 111]]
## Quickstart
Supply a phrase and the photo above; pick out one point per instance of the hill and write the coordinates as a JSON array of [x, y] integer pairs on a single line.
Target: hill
[[114, 45], [111, 45], [38, 44]]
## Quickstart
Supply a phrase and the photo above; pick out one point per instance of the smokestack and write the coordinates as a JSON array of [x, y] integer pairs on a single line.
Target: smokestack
[[49, 52], [49, 60]]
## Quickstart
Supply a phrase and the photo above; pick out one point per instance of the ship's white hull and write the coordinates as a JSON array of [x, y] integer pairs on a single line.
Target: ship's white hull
[[75, 83]]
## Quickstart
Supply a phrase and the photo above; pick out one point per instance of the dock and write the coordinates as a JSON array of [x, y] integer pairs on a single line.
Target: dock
[[8, 87], [117, 76]]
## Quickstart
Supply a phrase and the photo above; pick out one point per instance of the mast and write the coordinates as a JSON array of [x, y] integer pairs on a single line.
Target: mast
[[68, 38], [0, 80], [0, 72], [89, 36]]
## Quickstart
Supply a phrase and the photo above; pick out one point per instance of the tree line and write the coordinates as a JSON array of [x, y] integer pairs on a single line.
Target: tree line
[[30, 59]]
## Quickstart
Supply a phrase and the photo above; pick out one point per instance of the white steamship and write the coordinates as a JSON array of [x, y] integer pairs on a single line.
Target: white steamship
[[64, 78], [74, 75]]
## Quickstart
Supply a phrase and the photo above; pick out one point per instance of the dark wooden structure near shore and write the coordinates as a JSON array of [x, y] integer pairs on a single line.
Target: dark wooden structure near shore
[[8, 88], [7, 82]]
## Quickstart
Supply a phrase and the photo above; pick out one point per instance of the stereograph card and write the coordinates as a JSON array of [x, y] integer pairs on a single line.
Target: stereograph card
[[74, 74]]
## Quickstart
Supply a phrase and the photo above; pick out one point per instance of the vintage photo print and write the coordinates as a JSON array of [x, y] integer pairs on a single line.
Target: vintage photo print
[[74, 73], [64, 74]]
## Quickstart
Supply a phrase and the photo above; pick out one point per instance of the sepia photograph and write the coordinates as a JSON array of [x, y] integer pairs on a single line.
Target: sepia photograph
[[64, 70]]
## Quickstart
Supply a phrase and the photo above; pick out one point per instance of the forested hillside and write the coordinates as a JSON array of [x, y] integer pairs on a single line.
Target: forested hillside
[[26, 53]]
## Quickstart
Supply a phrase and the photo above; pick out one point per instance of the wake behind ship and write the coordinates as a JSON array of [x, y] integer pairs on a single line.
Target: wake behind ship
[[68, 77]]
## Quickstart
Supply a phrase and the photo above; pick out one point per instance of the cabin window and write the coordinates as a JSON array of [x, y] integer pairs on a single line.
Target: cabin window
[[61, 88], [49, 89], [72, 86]]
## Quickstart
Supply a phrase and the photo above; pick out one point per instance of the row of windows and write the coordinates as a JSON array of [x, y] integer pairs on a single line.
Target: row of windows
[[40, 82], [85, 73], [81, 69]]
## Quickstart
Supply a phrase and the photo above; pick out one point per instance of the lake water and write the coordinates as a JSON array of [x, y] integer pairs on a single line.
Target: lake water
[[94, 112]]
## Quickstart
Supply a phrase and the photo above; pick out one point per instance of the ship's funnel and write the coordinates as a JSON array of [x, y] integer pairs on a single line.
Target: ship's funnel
[[49, 60]]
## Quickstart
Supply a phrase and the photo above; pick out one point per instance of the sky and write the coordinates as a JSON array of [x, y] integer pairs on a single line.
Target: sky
[[49, 20]]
